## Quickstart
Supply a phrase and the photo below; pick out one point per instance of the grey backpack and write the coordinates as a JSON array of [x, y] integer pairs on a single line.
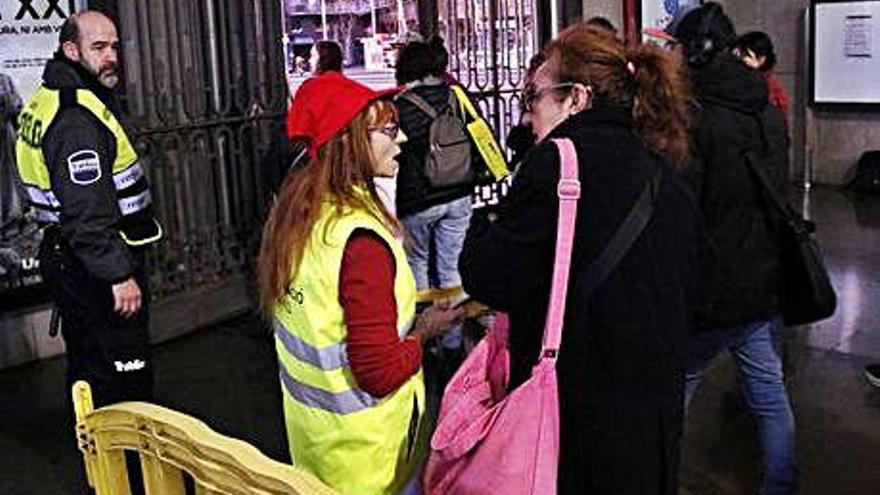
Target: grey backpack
[[448, 160]]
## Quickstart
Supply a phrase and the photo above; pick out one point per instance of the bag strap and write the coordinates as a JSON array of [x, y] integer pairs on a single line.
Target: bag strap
[[625, 236], [596, 273], [419, 103], [796, 221], [465, 104], [569, 191]]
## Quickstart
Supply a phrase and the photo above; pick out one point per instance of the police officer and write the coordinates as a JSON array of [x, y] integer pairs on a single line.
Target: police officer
[[81, 174]]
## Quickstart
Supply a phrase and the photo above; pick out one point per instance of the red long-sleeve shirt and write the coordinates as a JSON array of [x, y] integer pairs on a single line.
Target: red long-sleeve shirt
[[380, 360]]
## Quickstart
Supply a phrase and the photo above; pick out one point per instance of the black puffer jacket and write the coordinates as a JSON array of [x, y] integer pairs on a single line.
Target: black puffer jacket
[[414, 193], [620, 385], [736, 118]]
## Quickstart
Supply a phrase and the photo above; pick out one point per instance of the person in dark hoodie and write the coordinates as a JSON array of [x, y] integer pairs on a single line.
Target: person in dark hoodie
[[83, 177], [736, 123]]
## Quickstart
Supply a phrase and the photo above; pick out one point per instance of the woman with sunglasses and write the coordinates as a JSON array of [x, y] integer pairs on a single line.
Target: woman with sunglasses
[[334, 278], [620, 387]]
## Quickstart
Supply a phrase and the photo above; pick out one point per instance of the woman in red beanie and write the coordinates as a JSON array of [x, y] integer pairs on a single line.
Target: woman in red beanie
[[333, 275]]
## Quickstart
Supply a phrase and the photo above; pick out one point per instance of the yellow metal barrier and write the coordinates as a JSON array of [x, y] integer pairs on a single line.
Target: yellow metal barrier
[[170, 443]]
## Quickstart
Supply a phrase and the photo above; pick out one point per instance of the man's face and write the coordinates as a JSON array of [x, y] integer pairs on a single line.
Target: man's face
[[97, 49]]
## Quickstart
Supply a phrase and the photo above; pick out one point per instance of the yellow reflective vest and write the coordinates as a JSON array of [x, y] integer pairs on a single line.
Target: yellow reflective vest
[[352, 441], [129, 177]]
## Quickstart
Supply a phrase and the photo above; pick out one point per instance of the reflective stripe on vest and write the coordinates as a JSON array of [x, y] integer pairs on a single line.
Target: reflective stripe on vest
[[134, 204], [128, 177], [351, 440], [41, 199], [47, 217], [311, 331], [347, 402], [326, 358]]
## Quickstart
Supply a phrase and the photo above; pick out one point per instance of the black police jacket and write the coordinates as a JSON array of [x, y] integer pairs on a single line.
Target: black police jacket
[[90, 213]]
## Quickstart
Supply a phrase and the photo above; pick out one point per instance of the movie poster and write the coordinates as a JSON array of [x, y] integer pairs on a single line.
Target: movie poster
[[28, 37]]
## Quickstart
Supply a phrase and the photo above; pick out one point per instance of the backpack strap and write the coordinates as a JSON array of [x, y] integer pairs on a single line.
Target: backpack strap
[[419, 103]]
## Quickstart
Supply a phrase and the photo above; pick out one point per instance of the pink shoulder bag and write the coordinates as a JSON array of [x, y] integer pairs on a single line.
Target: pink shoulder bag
[[489, 441]]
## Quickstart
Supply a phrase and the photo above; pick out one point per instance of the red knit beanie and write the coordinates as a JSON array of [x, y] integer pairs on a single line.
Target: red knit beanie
[[325, 104]]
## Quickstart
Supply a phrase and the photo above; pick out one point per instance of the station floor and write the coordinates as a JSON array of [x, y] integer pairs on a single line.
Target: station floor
[[226, 375]]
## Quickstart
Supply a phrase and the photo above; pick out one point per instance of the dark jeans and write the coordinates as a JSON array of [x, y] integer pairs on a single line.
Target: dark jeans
[[110, 352]]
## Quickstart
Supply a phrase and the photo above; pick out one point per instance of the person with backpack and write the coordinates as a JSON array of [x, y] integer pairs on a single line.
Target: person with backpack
[[436, 177], [736, 129]]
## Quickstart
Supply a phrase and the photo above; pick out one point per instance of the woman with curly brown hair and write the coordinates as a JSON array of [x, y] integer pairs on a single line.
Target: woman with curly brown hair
[[334, 278], [620, 384]]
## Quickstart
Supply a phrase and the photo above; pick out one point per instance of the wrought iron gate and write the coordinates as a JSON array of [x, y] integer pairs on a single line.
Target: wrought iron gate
[[490, 43], [206, 91]]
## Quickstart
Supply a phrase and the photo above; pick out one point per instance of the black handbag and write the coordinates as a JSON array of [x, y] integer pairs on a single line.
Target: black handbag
[[806, 293]]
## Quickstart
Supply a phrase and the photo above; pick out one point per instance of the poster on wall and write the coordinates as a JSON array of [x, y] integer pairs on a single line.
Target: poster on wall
[[29, 36], [659, 13], [845, 53], [857, 35]]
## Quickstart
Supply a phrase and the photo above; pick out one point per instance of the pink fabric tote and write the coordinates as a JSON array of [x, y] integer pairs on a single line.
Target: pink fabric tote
[[489, 441]]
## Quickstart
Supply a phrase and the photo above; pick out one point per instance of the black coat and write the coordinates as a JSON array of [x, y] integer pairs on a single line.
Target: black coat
[[414, 192], [735, 119], [619, 370]]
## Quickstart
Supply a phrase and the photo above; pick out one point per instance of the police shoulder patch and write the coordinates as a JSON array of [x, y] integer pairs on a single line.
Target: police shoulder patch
[[84, 167]]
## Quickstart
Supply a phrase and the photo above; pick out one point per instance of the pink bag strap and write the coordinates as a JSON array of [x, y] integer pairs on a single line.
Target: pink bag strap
[[569, 191]]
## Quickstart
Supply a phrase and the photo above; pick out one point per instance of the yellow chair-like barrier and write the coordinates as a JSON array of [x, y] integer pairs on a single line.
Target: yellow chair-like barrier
[[169, 444]]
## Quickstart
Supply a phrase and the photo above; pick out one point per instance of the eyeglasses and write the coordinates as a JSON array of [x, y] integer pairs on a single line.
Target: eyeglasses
[[391, 129], [530, 95]]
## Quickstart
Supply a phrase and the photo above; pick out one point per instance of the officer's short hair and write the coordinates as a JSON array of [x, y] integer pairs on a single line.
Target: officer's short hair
[[69, 30]]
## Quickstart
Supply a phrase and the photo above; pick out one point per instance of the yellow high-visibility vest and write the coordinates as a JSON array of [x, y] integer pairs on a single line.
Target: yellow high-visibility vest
[[36, 117], [352, 441]]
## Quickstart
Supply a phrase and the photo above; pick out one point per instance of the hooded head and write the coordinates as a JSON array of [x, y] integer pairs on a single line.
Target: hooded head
[[705, 32]]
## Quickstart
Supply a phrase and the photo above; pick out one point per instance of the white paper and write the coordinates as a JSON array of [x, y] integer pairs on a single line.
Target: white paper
[[28, 37]]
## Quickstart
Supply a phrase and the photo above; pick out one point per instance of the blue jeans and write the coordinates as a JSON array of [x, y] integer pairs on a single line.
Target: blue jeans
[[445, 225], [759, 369]]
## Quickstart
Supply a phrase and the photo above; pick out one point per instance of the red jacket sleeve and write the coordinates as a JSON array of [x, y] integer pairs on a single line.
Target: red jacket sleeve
[[380, 360]]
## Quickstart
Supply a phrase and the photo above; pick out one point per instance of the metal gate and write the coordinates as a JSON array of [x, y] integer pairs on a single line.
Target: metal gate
[[205, 88], [490, 43]]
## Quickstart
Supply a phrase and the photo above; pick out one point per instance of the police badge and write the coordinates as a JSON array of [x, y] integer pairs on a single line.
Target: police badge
[[84, 167]]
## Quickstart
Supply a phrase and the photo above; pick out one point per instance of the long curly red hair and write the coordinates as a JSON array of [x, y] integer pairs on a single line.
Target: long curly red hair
[[342, 171]]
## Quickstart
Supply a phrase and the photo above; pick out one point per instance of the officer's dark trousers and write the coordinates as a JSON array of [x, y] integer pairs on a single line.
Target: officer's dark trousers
[[110, 352]]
